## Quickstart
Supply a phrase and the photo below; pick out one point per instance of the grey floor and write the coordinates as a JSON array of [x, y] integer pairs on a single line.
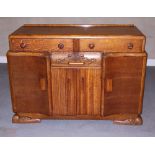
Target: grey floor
[[77, 128]]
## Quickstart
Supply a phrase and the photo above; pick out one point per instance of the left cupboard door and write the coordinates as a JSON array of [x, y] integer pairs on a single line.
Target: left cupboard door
[[28, 73], [63, 81]]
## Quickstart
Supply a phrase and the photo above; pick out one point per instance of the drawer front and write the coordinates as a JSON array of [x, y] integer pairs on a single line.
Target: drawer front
[[112, 45], [74, 59], [57, 45]]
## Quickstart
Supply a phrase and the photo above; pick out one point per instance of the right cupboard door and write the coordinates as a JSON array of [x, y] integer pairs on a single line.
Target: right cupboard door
[[123, 85]]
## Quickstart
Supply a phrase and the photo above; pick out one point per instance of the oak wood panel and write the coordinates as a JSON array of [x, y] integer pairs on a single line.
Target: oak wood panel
[[89, 91], [126, 75], [26, 71], [41, 45], [63, 91], [112, 45]]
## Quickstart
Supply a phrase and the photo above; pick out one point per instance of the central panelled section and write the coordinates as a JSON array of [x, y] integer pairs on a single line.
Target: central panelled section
[[76, 83]]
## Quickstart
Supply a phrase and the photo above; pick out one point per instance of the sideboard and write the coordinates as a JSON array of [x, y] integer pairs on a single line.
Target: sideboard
[[77, 72]]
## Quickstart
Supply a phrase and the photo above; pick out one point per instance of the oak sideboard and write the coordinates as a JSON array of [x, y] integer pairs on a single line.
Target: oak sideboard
[[77, 72]]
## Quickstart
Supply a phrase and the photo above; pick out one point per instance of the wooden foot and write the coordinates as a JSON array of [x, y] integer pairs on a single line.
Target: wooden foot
[[24, 119], [130, 121]]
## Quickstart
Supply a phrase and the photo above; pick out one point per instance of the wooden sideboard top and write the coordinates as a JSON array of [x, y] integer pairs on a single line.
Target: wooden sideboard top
[[76, 31]]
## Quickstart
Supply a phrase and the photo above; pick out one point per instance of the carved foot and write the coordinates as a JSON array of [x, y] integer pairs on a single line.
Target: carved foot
[[24, 119], [131, 121]]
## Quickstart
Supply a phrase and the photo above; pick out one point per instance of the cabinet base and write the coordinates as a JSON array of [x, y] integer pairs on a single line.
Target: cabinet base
[[24, 119], [130, 121], [117, 119]]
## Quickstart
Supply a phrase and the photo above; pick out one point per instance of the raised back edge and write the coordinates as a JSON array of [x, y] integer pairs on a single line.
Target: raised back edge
[[81, 25]]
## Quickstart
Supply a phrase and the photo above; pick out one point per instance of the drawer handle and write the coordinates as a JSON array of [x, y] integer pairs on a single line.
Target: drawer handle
[[91, 46], [130, 46], [109, 85], [76, 63], [22, 45], [60, 46], [42, 84]]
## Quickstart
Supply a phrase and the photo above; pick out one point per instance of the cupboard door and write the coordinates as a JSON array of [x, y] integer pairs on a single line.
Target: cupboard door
[[89, 91], [124, 75], [29, 84], [63, 91]]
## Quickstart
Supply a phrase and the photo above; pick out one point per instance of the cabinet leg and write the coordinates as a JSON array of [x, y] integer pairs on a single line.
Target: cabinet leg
[[130, 121], [24, 119]]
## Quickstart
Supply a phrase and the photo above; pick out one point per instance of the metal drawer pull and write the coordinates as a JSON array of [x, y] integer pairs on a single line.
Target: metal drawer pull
[[76, 63]]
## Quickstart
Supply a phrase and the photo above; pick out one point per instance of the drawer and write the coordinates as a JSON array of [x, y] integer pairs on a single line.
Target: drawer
[[57, 45], [112, 45], [74, 59]]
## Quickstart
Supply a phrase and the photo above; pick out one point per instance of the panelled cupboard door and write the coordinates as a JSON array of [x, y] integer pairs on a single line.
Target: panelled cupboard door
[[124, 76], [28, 80], [89, 91], [76, 91], [63, 91]]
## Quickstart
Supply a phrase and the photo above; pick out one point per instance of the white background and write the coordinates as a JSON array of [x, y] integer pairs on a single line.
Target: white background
[[80, 146]]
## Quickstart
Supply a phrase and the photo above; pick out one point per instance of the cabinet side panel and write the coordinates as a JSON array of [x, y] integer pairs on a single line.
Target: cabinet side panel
[[142, 85]]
